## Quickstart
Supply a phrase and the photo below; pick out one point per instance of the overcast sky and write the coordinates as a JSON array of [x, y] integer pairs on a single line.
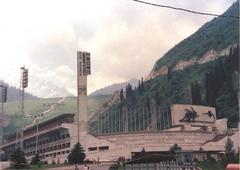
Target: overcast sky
[[124, 38]]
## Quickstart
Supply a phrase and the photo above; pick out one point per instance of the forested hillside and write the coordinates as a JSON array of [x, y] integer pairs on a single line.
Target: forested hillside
[[215, 35], [209, 83]]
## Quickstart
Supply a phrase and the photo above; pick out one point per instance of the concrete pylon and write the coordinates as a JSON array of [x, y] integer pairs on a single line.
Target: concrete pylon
[[83, 70]]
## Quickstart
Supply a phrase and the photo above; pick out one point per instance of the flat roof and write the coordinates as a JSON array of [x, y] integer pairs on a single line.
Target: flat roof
[[62, 116], [51, 120]]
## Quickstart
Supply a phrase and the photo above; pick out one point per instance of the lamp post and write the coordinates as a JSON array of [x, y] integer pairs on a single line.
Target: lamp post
[[36, 149], [36, 118]]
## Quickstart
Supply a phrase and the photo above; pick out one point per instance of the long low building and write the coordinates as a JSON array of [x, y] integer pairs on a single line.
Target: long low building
[[57, 136], [54, 139]]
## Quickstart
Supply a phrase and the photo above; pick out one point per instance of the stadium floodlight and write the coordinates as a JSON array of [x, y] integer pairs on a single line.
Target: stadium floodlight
[[3, 99], [4, 94], [24, 77], [23, 85]]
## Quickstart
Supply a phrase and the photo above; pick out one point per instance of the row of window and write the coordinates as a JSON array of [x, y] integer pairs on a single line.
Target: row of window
[[101, 148], [51, 148], [47, 141], [57, 153], [54, 138]]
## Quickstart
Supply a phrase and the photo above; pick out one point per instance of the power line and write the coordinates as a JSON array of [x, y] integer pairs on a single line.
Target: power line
[[185, 10]]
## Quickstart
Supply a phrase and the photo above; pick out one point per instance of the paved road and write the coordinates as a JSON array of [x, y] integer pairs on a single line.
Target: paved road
[[81, 167]]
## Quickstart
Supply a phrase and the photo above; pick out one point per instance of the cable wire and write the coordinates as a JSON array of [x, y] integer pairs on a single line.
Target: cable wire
[[185, 10]]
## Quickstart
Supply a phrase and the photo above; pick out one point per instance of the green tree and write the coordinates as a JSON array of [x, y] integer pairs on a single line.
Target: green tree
[[18, 159], [174, 148], [77, 154], [169, 73], [121, 95], [196, 93], [142, 84], [230, 154], [35, 159]]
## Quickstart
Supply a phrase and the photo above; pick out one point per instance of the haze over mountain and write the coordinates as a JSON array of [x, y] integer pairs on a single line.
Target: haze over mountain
[[109, 90]]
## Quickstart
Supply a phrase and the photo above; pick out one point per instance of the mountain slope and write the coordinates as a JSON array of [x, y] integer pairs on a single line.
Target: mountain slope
[[109, 90], [213, 55], [214, 36], [36, 106]]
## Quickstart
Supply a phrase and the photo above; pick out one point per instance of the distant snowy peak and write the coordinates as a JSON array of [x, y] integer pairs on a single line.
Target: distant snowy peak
[[47, 89]]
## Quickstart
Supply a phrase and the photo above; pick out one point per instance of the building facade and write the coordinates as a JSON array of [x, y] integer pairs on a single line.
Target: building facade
[[54, 140]]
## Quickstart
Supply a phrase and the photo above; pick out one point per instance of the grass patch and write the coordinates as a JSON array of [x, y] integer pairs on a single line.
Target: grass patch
[[207, 165], [36, 106]]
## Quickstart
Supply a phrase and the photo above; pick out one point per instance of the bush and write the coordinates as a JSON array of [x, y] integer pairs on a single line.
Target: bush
[[174, 148], [115, 166], [35, 159], [211, 159], [53, 162]]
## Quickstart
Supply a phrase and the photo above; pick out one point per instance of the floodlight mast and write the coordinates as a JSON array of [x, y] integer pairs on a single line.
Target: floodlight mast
[[3, 100], [83, 70], [23, 85]]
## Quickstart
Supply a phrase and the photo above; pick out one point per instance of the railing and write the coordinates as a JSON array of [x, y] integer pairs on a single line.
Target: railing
[[50, 144], [161, 166]]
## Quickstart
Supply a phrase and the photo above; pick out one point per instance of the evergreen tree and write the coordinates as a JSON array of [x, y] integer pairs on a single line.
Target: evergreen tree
[[230, 155], [234, 58], [77, 154], [18, 159], [218, 75], [210, 90], [169, 73], [129, 92], [35, 159], [140, 88], [148, 102], [196, 93], [142, 85], [121, 95]]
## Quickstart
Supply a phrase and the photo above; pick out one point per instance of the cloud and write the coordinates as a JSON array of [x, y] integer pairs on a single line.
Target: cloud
[[125, 39]]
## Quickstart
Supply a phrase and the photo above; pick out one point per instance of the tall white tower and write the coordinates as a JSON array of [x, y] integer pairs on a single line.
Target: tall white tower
[[83, 70]]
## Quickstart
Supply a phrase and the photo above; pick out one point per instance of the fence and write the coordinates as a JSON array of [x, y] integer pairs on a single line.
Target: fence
[[160, 166]]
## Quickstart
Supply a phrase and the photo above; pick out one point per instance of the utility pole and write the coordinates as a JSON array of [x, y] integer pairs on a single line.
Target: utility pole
[[98, 124]]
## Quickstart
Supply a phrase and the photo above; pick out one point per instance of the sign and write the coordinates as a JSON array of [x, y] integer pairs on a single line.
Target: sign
[[84, 63], [193, 114]]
